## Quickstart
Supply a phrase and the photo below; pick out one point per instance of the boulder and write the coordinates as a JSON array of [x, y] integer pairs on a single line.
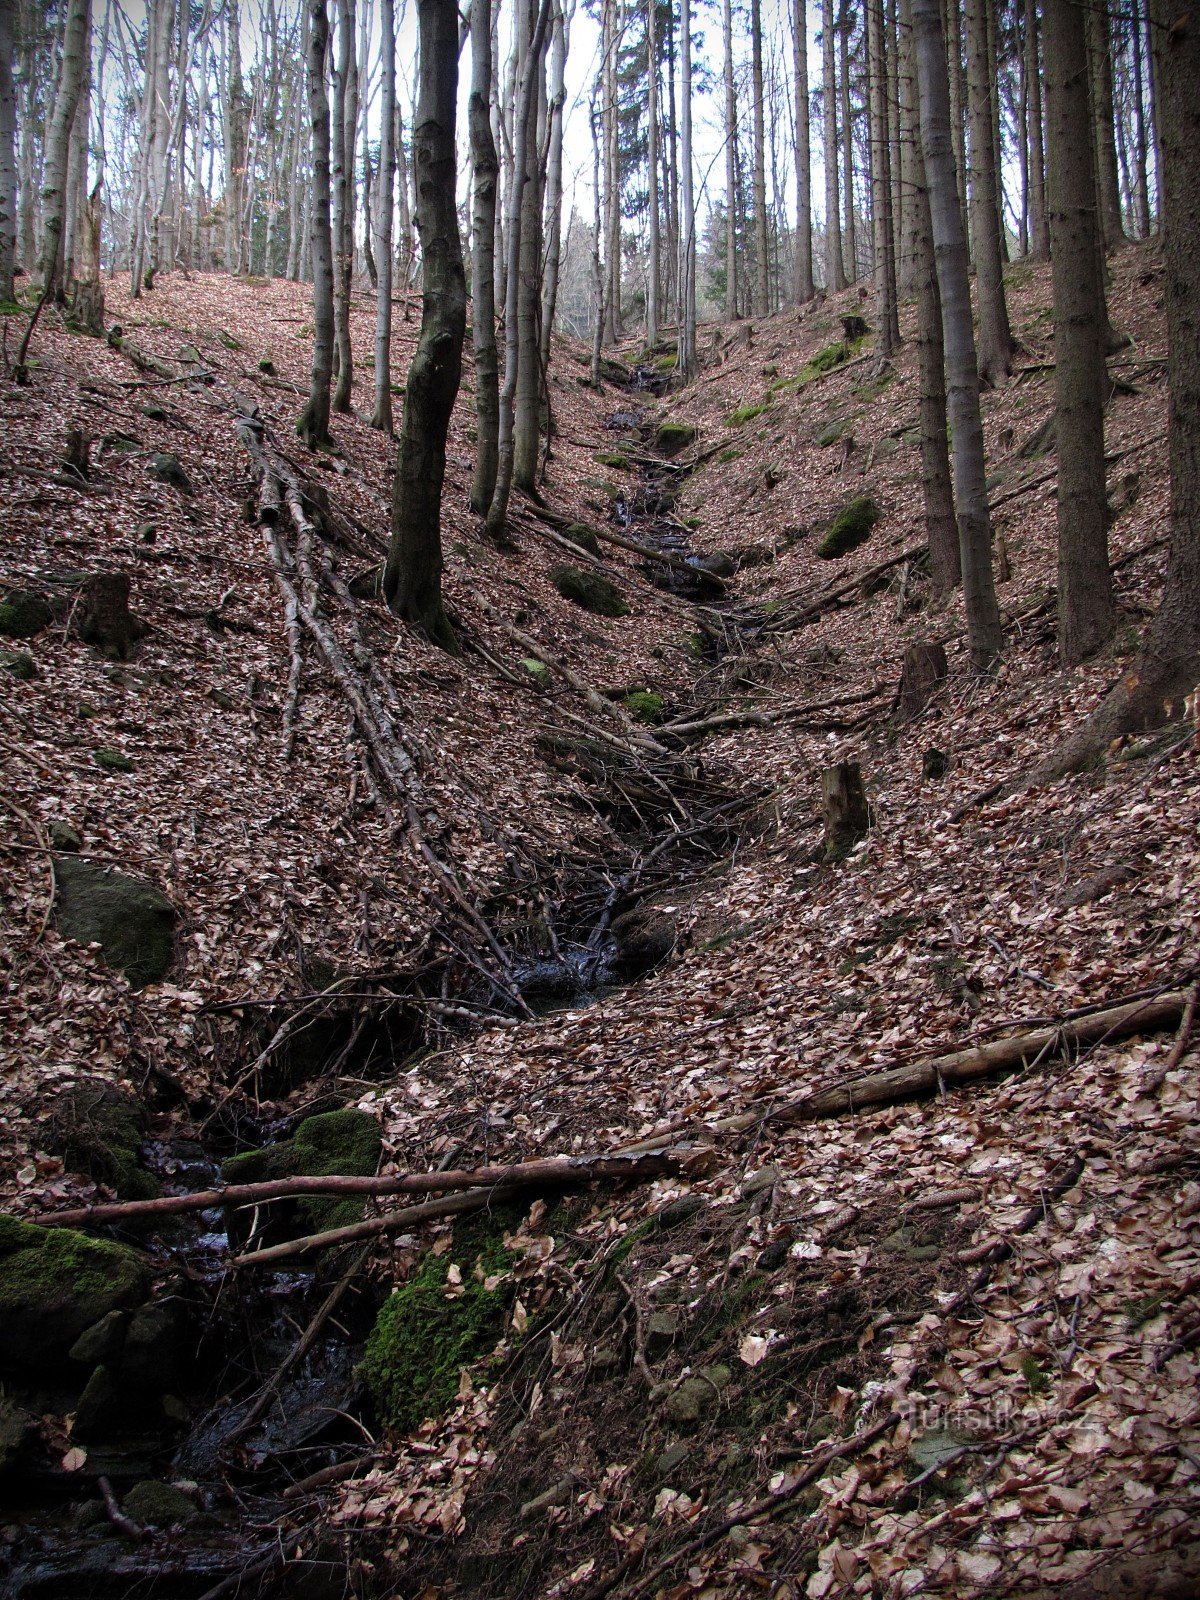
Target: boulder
[[131, 920], [18, 664], [55, 1283], [167, 469], [851, 527], [697, 1397], [97, 1129], [16, 1434], [590, 590], [23, 612], [159, 1505], [345, 1143]]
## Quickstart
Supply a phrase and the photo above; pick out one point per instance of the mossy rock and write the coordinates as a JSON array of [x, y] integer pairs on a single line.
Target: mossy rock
[[643, 704], [112, 760], [267, 367], [158, 1504], [537, 670], [697, 1397], [579, 533], [832, 355], [741, 415], [423, 1337], [54, 1283], [131, 920], [18, 664], [851, 527], [672, 437], [335, 1143], [97, 1128], [832, 432], [611, 458], [591, 590], [727, 456], [167, 469], [24, 613], [228, 340]]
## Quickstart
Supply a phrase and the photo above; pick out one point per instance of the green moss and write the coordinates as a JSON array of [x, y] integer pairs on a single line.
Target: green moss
[[18, 664], [611, 458], [23, 613], [833, 431], [579, 533], [644, 704], [112, 760], [851, 527], [343, 1143], [832, 355], [228, 340], [97, 1128], [672, 437], [590, 590], [1034, 1376], [423, 1337], [159, 1504], [729, 455], [538, 670], [744, 414], [54, 1283]]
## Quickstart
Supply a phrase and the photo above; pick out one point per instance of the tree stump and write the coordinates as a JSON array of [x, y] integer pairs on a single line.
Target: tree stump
[[75, 458], [924, 668], [105, 618], [844, 807], [854, 327]]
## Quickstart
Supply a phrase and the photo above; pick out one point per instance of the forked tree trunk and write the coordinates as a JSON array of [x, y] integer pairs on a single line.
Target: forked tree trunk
[[995, 335], [382, 415], [412, 577], [313, 426], [941, 527], [835, 276], [8, 155], [1086, 616], [1166, 670], [802, 288], [486, 169], [984, 636]]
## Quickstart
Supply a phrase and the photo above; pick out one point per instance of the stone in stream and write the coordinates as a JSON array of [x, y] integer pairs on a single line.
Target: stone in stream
[[345, 1143]]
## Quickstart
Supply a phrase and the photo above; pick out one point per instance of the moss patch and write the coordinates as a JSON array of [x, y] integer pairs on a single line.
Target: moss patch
[[97, 1127], [729, 455], [54, 1283], [590, 590], [159, 1504], [579, 533], [644, 704], [335, 1143], [424, 1335], [611, 458], [672, 437], [851, 527], [743, 414], [23, 613]]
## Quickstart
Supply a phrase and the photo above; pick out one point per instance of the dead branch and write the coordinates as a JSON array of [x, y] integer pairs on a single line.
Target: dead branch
[[1154, 1080], [123, 1524]]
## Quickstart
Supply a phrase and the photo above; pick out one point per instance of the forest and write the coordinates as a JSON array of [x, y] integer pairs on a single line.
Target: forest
[[600, 828]]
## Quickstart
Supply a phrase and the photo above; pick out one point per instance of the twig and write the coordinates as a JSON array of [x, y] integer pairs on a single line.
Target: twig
[[639, 1332], [1154, 1080], [126, 1525]]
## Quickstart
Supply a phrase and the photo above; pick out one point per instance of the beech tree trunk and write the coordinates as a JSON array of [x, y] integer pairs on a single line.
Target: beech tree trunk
[[486, 165], [8, 155], [1086, 615], [552, 230], [345, 123], [984, 635], [802, 288], [58, 139], [762, 265], [835, 276], [382, 416], [313, 426], [412, 577], [527, 410], [995, 335]]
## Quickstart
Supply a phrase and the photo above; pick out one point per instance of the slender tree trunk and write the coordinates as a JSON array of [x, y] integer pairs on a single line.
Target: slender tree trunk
[[1022, 134], [886, 310], [995, 335], [598, 275], [984, 636], [731, 148], [610, 43], [1039, 228], [486, 166], [802, 288], [1141, 191], [909, 268], [345, 123], [527, 411], [58, 143], [233, 117], [850, 225], [382, 416], [835, 275], [653, 267], [687, 203], [952, 25], [762, 266], [945, 563], [1086, 617], [313, 426], [1099, 41], [1154, 63], [555, 107], [412, 578], [8, 156], [77, 164]]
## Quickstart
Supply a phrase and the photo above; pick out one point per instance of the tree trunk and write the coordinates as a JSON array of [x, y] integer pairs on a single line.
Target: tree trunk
[[945, 564], [883, 241], [382, 416], [687, 203], [908, 270], [486, 168], [233, 134], [995, 335], [802, 288], [313, 426], [762, 267], [850, 225], [731, 146], [952, 27], [1141, 191], [1039, 227], [412, 577], [984, 636], [527, 410], [1086, 617], [612, 199], [345, 121], [844, 808], [1099, 49], [555, 109], [653, 266], [58, 140], [835, 276], [8, 156]]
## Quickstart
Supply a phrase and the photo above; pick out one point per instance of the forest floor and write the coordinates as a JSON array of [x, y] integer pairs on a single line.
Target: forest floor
[[942, 1346]]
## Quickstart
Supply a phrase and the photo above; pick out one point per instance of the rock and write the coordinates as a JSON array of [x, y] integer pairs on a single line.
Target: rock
[[267, 367], [63, 836], [105, 618], [131, 920], [824, 1427], [167, 469], [16, 1434], [590, 590], [112, 760], [661, 1328], [156, 413], [644, 704], [851, 527], [937, 1447], [645, 937], [159, 1505], [153, 1349], [579, 533], [671, 1458], [537, 670], [764, 1179], [832, 432], [103, 1342], [345, 1143], [24, 613], [18, 664], [717, 564], [99, 1411], [676, 1212], [697, 1397], [672, 437], [55, 1283], [903, 1242], [935, 764]]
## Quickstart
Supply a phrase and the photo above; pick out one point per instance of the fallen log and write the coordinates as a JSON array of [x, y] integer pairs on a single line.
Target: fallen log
[[548, 1170]]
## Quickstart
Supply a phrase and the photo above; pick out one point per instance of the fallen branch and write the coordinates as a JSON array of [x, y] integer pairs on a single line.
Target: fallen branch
[[784, 621], [1154, 1080], [122, 1523], [765, 719], [549, 1170]]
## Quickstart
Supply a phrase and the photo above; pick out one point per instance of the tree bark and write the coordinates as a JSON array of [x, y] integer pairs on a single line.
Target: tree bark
[[850, 224], [887, 338], [313, 426], [995, 336], [835, 276], [802, 288], [382, 416], [653, 266], [8, 155], [345, 120], [731, 139], [58, 139], [412, 577], [1039, 227], [1086, 615], [610, 44], [844, 808], [1099, 53], [984, 636], [486, 167], [762, 265], [555, 109], [527, 406], [687, 204]]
